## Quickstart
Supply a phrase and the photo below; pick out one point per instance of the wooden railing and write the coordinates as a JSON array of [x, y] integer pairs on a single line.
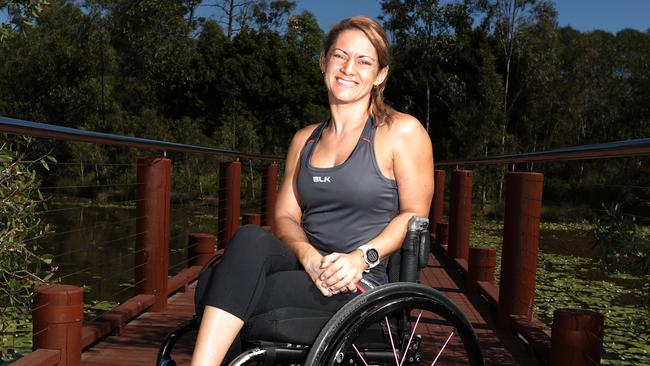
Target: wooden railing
[[60, 334], [576, 336]]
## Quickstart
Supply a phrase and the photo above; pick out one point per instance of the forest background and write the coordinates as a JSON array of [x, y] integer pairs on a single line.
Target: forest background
[[484, 76]]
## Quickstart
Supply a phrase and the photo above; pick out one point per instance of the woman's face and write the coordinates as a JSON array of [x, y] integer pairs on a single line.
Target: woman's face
[[351, 68]]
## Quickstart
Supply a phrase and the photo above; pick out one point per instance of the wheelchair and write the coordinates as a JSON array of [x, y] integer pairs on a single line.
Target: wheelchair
[[400, 323]]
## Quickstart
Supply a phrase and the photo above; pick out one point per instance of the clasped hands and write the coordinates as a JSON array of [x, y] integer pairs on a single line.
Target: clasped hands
[[336, 272]]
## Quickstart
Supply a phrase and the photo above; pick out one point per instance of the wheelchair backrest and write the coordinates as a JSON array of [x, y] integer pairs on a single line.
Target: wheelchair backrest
[[405, 264]]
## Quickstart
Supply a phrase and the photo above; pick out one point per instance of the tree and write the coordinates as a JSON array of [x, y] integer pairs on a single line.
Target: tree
[[19, 14], [507, 19], [235, 14], [22, 267], [424, 27]]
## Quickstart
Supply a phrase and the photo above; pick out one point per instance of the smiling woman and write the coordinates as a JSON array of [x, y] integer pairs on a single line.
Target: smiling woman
[[350, 186]]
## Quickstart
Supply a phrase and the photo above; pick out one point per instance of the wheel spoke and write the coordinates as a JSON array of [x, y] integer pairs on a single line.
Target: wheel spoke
[[359, 353], [443, 347], [410, 338], [392, 344]]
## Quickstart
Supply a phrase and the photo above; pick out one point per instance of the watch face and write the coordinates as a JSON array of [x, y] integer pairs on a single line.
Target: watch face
[[372, 255]]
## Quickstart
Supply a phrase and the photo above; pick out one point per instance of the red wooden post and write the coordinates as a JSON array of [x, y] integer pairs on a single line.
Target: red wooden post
[[442, 231], [481, 265], [252, 219], [200, 248], [520, 244], [229, 200], [270, 193], [152, 226], [436, 211], [57, 317], [460, 214], [576, 337]]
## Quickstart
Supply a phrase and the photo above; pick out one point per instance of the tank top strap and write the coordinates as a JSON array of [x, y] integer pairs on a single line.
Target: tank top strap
[[368, 133], [311, 142], [315, 134]]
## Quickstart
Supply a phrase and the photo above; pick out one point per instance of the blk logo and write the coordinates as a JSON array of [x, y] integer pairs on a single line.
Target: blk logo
[[322, 179]]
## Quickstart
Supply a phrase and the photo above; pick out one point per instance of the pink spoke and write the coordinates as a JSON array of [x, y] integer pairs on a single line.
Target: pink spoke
[[410, 339], [392, 344], [359, 353], [443, 347]]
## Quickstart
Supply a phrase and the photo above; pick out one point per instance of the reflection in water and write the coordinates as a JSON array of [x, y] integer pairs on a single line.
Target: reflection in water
[[94, 246]]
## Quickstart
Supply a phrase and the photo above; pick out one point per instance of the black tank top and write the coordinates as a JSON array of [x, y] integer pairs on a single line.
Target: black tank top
[[345, 206]]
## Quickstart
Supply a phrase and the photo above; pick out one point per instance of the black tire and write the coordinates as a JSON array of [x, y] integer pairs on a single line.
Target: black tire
[[350, 321]]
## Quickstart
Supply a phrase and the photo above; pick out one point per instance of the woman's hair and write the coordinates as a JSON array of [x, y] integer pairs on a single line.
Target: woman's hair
[[380, 112]]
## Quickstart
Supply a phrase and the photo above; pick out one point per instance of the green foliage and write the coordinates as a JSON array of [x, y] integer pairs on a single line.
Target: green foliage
[[619, 240], [19, 15], [22, 267]]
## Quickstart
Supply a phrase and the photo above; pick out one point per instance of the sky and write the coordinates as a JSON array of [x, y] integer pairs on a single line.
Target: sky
[[583, 15]]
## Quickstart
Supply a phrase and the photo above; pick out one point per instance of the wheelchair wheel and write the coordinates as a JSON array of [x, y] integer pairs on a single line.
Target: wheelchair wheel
[[419, 325]]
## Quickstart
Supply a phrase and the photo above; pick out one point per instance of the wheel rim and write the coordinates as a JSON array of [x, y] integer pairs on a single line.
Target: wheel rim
[[432, 339]]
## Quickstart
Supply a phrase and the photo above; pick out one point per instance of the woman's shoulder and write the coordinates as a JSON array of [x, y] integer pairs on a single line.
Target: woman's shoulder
[[303, 134], [300, 138], [404, 126]]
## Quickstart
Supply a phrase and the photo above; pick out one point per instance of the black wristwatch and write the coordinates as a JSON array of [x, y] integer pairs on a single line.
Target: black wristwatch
[[370, 255]]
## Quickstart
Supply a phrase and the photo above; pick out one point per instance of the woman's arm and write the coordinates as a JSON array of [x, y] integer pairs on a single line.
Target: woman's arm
[[288, 214], [412, 163]]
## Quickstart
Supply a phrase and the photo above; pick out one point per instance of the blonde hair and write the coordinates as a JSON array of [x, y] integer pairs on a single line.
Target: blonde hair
[[380, 112]]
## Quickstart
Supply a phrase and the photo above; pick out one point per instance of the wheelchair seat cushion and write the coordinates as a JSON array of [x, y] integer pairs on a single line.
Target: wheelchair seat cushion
[[301, 326], [290, 325]]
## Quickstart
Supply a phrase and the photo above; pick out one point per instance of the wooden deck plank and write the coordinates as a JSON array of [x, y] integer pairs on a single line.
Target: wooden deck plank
[[140, 340]]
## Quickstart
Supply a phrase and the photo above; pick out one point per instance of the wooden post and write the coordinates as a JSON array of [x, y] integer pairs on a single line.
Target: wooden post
[[270, 194], [460, 214], [481, 265], [152, 226], [200, 248], [229, 201], [57, 317], [576, 337], [436, 212], [251, 219], [520, 244]]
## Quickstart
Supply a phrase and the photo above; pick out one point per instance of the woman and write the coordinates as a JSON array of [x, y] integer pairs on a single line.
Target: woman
[[350, 186]]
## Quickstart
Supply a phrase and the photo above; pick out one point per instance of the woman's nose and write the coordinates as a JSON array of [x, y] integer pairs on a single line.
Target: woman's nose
[[348, 66]]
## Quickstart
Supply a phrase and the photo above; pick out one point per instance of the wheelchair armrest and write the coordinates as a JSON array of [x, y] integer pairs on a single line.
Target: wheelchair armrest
[[405, 264]]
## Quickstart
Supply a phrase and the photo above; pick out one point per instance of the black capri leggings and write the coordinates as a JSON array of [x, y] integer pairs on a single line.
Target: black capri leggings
[[257, 273]]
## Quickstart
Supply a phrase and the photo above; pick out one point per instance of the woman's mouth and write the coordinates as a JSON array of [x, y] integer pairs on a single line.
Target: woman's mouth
[[346, 82]]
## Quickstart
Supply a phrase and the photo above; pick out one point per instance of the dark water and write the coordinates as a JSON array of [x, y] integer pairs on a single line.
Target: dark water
[[94, 247]]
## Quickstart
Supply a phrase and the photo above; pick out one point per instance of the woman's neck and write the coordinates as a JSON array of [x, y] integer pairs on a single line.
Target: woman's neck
[[348, 117]]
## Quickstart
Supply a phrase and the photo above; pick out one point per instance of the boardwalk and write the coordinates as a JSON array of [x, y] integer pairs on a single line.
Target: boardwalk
[[139, 341]]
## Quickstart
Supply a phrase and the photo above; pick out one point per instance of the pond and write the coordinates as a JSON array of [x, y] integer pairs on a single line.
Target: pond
[[568, 276], [94, 248]]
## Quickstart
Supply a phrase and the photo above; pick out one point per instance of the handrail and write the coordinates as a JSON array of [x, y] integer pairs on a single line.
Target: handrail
[[606, 150], [582, 152], [35, 129]]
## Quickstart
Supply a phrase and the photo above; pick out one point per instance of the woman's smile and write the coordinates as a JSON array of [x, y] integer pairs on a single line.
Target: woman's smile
[[346, 83]]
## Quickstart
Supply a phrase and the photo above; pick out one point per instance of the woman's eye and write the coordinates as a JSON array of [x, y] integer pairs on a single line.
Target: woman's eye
[[365, 63], [337, 56]]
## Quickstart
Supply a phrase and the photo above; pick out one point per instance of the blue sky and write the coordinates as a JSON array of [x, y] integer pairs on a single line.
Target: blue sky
[[584, 15]]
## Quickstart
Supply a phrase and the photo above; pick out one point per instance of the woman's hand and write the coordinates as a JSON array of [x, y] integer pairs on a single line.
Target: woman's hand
[[312, 264], [341, 272]]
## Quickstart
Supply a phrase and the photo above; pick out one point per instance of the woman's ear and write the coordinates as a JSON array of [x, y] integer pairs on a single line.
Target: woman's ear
[[381, 76], [322, 62]]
